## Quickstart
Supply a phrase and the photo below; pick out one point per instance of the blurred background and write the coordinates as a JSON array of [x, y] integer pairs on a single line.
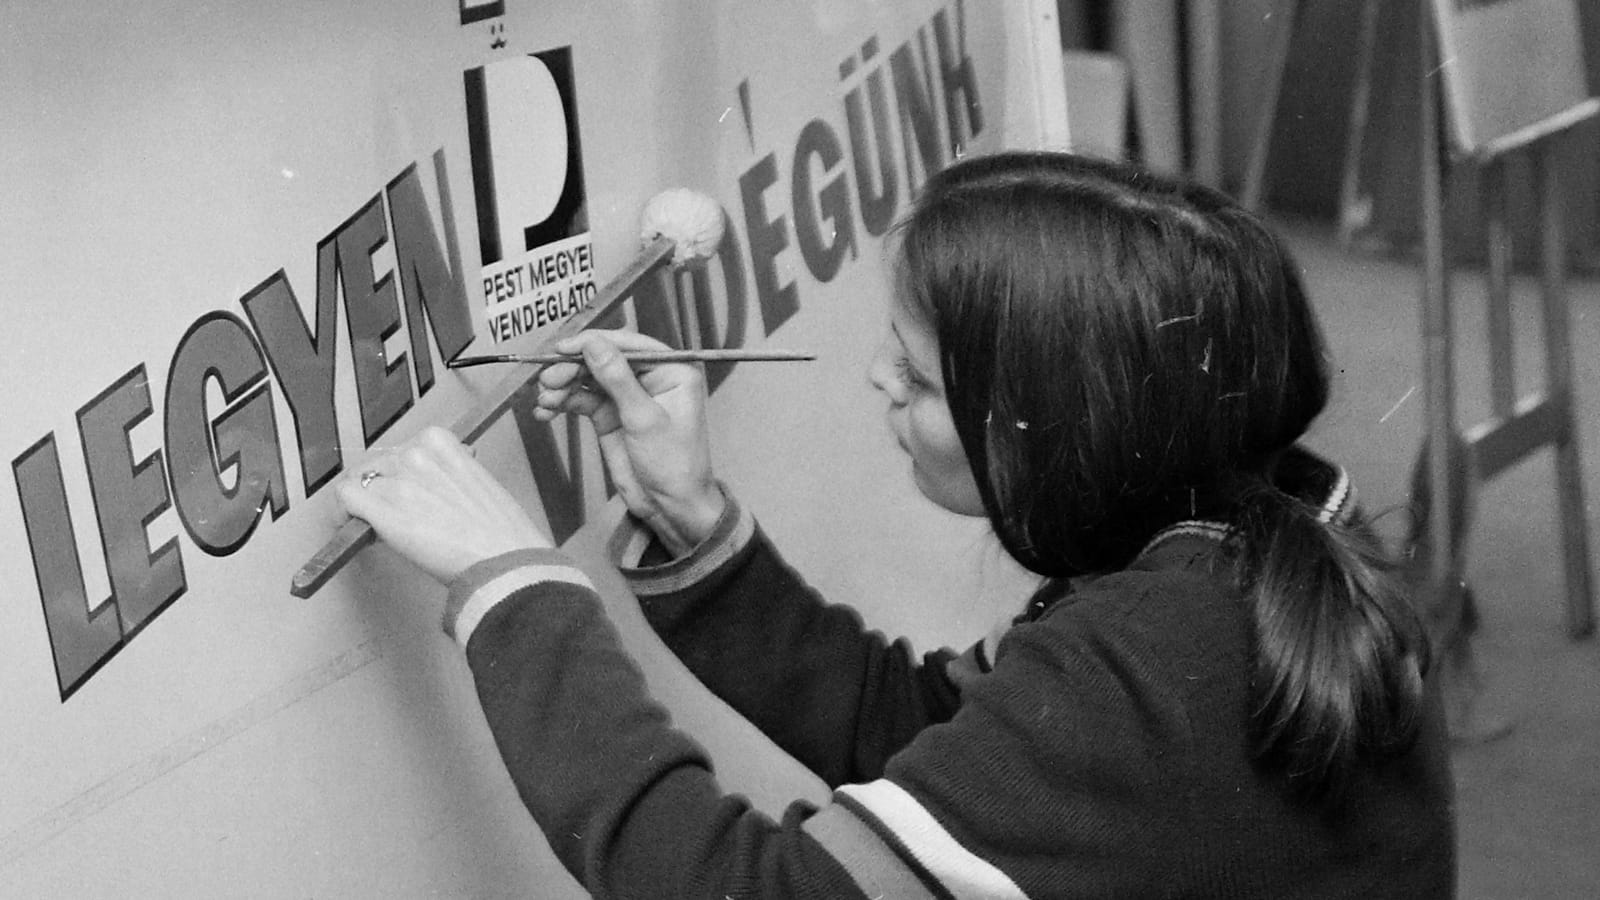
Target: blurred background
[[1312, 112]]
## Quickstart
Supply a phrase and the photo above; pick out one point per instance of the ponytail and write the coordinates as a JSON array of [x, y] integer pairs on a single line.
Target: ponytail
[[1340, 652]]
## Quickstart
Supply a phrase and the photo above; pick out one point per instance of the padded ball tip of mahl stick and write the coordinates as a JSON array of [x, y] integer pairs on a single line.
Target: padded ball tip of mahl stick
[[691, 219]]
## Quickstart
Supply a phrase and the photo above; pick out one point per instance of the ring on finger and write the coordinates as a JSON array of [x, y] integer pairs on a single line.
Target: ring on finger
[[369, 476]]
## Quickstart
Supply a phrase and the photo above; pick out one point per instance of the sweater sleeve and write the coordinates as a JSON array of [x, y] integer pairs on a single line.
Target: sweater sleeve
[[837, 697], [1043, 754], [628, 803]]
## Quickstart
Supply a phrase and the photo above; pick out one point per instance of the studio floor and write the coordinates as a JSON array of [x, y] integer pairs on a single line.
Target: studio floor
[[1529, 802]]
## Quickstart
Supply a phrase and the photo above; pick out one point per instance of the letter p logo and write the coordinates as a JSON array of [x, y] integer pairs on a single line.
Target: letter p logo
[[527, 171]]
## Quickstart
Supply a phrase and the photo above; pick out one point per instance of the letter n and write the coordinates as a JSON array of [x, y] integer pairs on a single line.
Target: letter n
[[427, 281]]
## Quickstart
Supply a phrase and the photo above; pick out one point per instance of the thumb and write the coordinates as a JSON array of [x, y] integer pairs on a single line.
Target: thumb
[[611, 370]]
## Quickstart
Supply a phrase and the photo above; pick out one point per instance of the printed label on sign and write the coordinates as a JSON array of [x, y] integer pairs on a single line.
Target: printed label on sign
[[527, 175], [545, 286]]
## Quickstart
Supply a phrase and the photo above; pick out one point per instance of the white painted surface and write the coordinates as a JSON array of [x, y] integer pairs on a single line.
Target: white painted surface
[[164, 161]]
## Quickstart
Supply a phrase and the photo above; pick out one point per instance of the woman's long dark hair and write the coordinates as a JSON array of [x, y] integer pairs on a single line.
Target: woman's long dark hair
[[1122, 352]]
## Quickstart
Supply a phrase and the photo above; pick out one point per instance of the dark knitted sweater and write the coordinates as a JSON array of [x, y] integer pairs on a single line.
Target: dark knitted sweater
[[1103, 753]]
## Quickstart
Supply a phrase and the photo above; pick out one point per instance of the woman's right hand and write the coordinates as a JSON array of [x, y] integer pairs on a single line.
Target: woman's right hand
[[652, 430]]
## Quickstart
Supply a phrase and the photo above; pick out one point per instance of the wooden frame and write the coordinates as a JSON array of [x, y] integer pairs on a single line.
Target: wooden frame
[[1485, 135]]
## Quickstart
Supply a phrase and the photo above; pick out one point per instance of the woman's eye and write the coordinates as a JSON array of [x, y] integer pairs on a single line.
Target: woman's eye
[[906, 373]]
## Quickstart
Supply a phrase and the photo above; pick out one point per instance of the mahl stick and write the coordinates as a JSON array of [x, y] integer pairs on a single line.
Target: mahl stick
[[355, 534], [642, 357]]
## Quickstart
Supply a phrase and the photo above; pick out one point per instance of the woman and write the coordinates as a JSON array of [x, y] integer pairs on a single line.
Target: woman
[[1217, 691]]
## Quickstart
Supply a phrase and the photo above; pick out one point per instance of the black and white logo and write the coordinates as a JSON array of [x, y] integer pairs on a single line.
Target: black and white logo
[[527, 179]]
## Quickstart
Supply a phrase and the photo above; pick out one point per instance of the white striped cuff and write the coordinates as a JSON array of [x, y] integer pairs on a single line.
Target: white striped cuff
[[732, 532], [874, 864], [965, 875], [482, 587]]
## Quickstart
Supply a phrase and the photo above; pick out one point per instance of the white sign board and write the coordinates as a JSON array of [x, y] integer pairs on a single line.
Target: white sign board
[[239, 241]]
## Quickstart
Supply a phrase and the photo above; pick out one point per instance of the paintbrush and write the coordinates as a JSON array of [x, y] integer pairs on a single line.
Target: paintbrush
[[644, 357]]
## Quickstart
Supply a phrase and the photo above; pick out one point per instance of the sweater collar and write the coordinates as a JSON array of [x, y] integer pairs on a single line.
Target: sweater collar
[[1299, 473]]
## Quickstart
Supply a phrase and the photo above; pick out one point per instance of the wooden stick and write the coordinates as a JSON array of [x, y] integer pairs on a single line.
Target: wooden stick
[[645, 357], [355, 534]]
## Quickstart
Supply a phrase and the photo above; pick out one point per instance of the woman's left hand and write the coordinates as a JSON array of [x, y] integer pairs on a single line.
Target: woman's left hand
[[436, 505]]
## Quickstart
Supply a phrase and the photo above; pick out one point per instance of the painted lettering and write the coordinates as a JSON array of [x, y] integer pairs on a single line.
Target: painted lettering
[[919, 124], [221, 466], [238, 445], [963, 112], [81, 639], [373, 312], [303, 363], [128, 495], [432, 292], [930, 66], [823, 253], [877, 187], [560, 487], [769, 235]]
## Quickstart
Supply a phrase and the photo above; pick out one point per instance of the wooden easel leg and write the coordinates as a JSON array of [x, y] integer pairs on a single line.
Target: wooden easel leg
[[1441, 599], [1354, 214], [1444, 596], [1253, 193], [1558, 376], [1497, 234], [1204, 30], [1438, 362]]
